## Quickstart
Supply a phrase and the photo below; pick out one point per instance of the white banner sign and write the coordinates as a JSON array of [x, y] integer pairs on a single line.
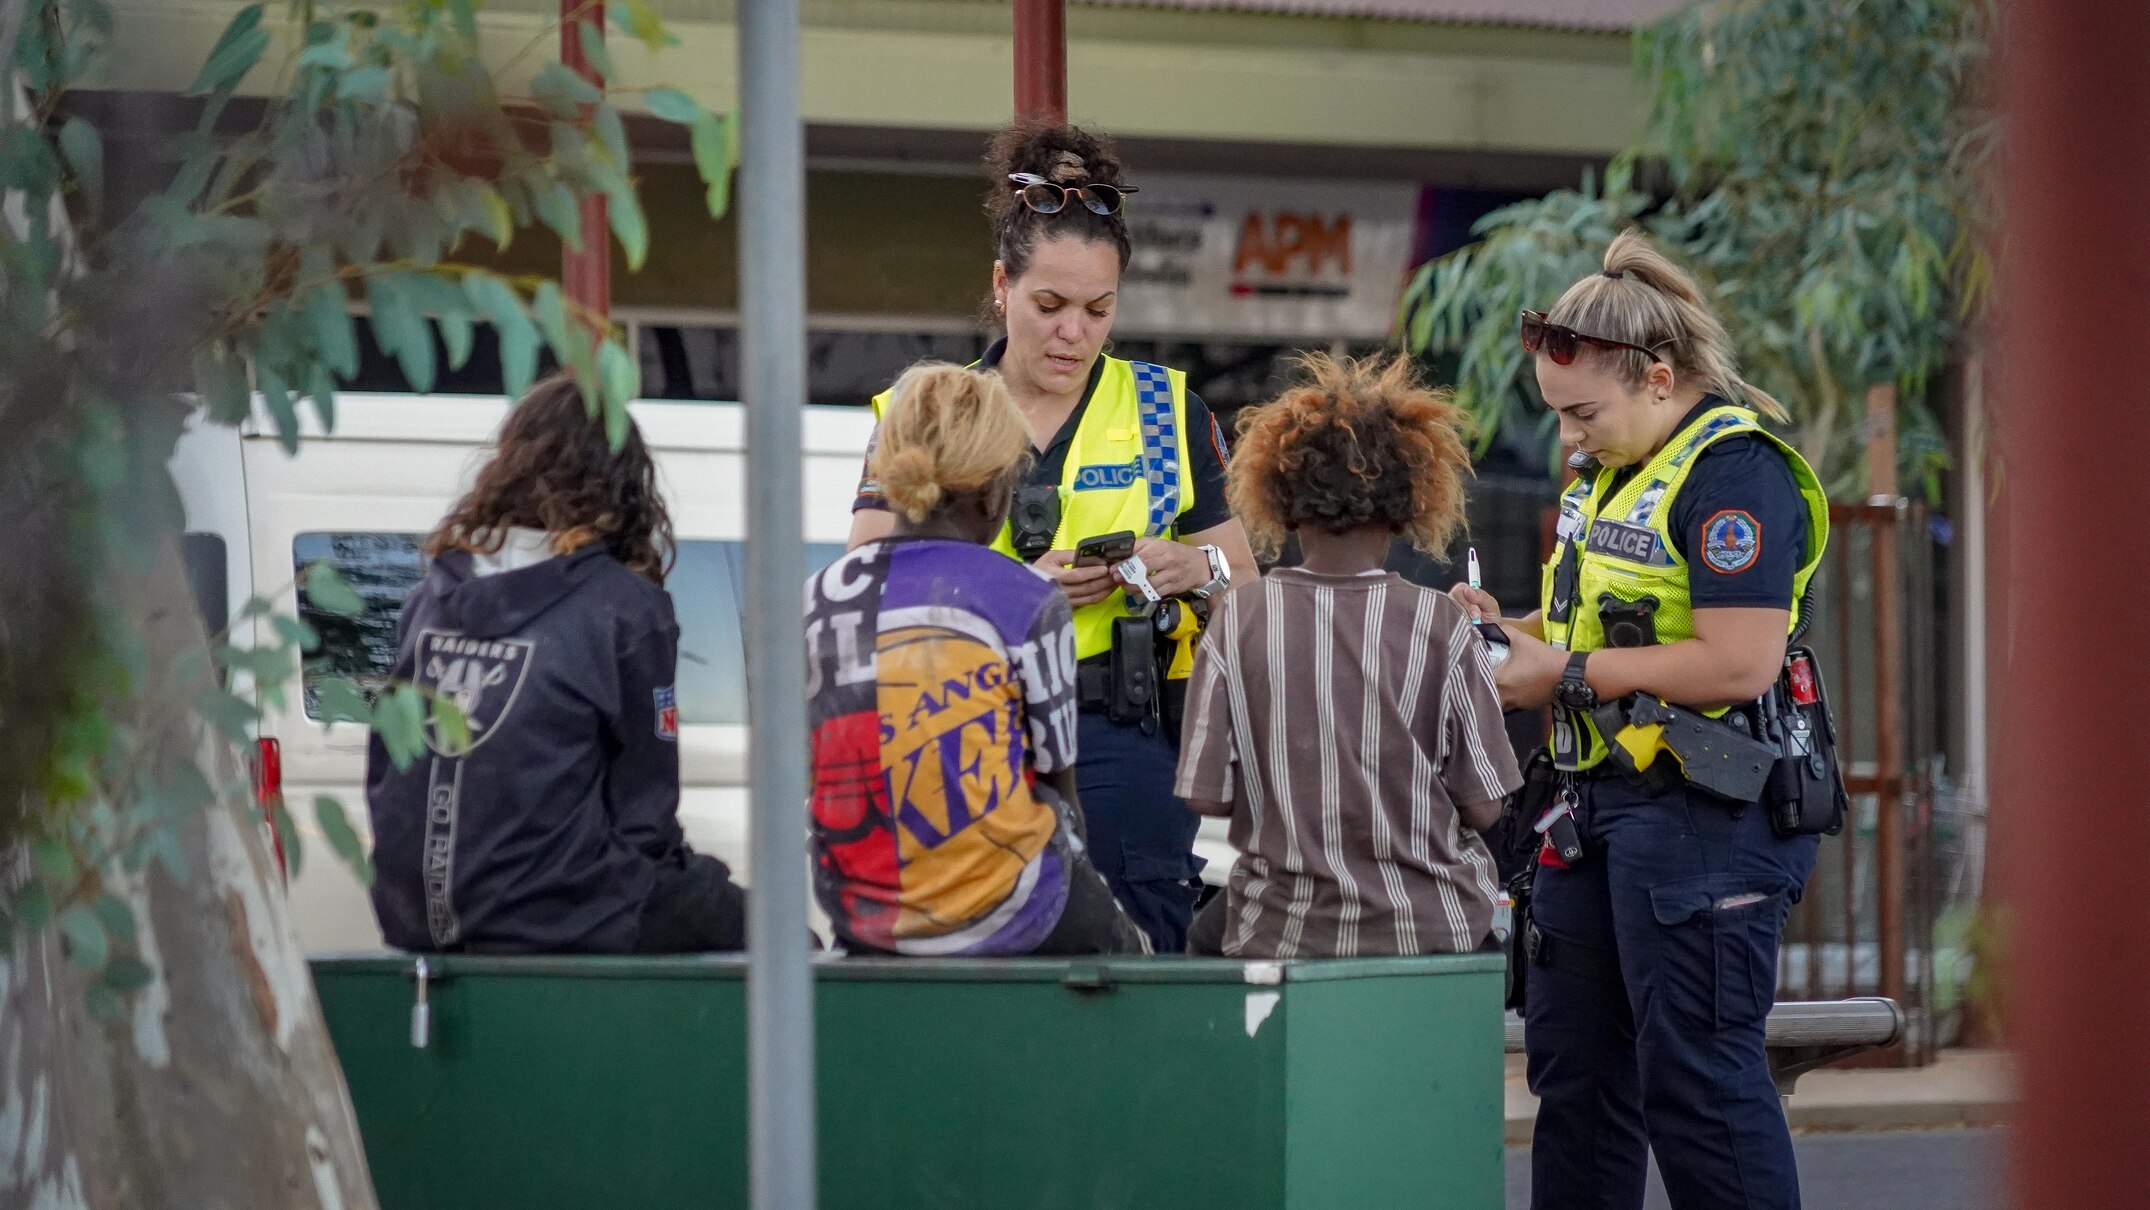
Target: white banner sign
[[1256, 256]]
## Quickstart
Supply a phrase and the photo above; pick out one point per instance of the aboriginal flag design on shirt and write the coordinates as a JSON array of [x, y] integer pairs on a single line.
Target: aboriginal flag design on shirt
[[940, 681]]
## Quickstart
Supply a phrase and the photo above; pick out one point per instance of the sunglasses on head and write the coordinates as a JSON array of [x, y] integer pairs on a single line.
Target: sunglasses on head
[[1046, 197], [1541, 335]]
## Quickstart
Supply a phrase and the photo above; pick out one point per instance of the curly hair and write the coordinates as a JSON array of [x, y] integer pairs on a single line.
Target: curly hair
[[1061, 153], [1358, 443], [554, 470]]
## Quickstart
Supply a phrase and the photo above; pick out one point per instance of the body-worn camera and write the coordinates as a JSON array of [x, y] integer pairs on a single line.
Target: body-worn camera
[[1033, 520], [1628, 623]]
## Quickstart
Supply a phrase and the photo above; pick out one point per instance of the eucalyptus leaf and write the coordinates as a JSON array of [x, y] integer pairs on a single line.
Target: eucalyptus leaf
[[325, 590], [116, 916], [673, 106], [451, 728], [338, 700], [639, 18], [335, 333], [401, 328], [497, 302], [287, 834], [342, 838], [85, 155], [87, 945], [126, 973], [592, 41], [235, 52], [715, 155]]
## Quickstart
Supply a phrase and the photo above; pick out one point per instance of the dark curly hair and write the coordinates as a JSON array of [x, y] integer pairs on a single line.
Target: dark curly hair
[[1058, 152], [1358, 443], [555, 471]]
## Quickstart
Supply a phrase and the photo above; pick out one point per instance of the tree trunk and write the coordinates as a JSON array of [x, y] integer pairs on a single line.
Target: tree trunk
[[219, 1086]]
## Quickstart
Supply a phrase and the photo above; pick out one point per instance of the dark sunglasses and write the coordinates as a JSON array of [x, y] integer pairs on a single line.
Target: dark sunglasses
[[1541, 335], [1045, 197]]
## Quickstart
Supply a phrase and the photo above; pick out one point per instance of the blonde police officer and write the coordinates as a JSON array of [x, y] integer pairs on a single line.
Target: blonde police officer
[[1118, 446], [1681, 562]]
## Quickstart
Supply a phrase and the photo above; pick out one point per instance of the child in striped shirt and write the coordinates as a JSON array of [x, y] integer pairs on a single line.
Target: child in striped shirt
[[1344, 719]]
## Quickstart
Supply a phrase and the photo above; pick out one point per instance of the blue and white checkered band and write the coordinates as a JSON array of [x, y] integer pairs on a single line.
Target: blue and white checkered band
[[1160, 445]]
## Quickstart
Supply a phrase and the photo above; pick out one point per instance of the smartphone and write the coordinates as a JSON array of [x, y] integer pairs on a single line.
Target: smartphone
[[1105, 549]]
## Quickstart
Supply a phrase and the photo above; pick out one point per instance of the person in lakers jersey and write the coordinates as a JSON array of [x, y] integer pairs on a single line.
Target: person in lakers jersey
[[942, 705]]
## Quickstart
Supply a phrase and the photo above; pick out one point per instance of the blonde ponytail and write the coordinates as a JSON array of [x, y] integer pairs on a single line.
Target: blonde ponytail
[[948, 432], [1644, 298]]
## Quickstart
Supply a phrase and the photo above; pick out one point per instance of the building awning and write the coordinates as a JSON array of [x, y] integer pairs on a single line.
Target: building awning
[[1608, 16]]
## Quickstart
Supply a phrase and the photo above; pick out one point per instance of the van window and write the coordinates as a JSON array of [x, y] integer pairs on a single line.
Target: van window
[[204, 556], [708, 585], [381, 568]]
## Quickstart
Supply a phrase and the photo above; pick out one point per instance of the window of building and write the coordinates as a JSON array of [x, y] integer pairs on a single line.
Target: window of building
[[843, 367]]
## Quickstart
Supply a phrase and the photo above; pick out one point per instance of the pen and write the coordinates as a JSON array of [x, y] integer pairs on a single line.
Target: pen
[[1487, 629]]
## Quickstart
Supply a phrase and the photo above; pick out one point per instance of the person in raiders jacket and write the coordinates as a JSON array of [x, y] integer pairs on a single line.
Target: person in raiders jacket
[[544, 618]]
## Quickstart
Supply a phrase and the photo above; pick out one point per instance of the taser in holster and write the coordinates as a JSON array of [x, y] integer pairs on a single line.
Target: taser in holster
[[1179, 622]]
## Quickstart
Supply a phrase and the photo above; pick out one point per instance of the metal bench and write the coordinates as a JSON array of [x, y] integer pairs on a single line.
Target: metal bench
[[1806, 1034]]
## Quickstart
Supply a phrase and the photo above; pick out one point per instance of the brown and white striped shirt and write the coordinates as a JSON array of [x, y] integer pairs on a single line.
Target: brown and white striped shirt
[[1344, 717]]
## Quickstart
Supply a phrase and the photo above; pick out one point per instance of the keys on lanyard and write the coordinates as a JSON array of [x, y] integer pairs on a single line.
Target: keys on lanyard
[[1557, 825]]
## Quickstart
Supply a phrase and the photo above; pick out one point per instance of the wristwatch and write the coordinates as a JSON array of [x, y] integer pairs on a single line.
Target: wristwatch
[[1220, 572], [1573, 691]]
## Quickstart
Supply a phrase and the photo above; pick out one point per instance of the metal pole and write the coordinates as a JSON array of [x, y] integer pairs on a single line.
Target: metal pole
[[772, 308], [1041, 59], [2069, 668], [586, 276]]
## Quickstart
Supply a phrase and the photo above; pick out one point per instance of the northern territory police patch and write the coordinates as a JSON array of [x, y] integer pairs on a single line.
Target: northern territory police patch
[[667, 713], [1731, 541]]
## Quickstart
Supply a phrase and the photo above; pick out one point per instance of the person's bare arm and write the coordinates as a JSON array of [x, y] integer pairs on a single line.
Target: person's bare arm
[[1479, 815], [1210, 807]]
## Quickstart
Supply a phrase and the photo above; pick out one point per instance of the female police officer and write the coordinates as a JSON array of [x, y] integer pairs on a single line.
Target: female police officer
[[1681, 561], [1119, 446]]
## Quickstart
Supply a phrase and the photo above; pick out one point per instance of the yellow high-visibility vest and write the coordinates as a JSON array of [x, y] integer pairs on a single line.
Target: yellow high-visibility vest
[[1125, 470], [1624, 542]]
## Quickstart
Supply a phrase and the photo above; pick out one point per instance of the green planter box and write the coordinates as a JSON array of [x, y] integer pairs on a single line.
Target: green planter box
[[1033, 1083]]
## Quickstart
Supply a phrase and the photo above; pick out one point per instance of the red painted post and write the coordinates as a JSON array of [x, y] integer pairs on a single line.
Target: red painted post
[[2069, 671], [586, 276], [1041, 59]]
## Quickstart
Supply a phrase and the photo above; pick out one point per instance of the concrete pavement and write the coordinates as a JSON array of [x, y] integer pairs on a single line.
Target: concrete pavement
[[1964, 1088]]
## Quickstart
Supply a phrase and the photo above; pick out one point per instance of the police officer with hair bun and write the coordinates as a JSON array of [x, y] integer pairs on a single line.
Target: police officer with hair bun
[[1118, 448], [1690, 763]]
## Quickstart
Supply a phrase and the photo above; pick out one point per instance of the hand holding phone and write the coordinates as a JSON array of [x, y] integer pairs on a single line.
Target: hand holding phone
[[1104, 550]]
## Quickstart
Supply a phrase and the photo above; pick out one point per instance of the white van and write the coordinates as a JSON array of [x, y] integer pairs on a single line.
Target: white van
[[364, 496]]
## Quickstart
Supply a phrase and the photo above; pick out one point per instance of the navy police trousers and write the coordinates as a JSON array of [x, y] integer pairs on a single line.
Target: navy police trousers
[[1648, 995], [1141, 837]]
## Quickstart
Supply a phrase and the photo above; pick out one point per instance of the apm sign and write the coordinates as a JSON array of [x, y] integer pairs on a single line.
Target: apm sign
[[1249, 256]]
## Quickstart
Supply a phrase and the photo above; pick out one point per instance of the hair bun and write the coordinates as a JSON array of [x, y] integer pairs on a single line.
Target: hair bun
[[1056, 151]]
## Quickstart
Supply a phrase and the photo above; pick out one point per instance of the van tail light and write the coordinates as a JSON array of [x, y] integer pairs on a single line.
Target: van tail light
[[268, 770]]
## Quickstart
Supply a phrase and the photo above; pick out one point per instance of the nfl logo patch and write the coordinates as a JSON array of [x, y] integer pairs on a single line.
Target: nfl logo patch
[[667, 714]]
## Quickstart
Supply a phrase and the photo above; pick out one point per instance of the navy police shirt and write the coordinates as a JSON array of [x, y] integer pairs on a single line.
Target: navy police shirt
[[1739, 521]]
